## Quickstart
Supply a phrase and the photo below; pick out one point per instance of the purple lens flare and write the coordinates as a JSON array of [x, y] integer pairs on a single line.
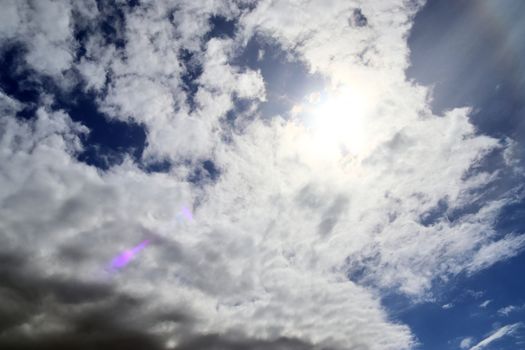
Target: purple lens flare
[[187, 213], [184, 215], [126, 256]]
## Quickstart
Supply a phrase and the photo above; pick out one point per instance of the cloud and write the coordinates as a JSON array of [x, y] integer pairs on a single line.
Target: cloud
[[48, 312], [45, 27], [505, 248], [466, 343], [148, 76], [505, 311], [499, 333], [485, 303], [92, 216], [291, 246], [215, 341]]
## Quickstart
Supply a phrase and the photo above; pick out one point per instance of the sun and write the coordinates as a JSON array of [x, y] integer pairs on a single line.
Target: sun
[[338, 122]]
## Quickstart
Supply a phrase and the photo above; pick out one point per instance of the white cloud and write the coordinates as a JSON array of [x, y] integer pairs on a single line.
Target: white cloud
[[507, 310], [394, 138], [147, 81], [485, 303], [499, 333], [228, 277], [45, 27], [505, 248], [466, 343]]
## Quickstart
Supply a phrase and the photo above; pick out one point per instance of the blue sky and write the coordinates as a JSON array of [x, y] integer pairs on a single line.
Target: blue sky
[[474, 61], [305, 176]]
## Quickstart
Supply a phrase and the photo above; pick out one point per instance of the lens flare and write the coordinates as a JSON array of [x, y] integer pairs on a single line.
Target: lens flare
[[184, 215], [187, 214], [124, 258]]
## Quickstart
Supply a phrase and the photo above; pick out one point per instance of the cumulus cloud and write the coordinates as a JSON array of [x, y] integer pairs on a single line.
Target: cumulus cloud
[[45, 28], [292, 245], [227, 277], [149, 75]]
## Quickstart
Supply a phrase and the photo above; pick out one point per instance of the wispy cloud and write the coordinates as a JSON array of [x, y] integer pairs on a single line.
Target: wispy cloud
[[466, 343], [499, 333], [505, 311], [485, 303]]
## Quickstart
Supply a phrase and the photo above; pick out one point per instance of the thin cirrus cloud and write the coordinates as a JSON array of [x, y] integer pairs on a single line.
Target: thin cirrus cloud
[[496, 335], [293, 242]]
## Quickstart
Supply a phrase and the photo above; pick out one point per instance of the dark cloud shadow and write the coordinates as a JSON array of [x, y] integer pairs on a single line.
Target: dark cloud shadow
[[90, 315], [218, 342]]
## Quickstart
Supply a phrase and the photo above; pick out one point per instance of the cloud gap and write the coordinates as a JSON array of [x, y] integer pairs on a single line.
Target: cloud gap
[[19, 81], [287, 80], [204, 173], [109, 140], [112, 23], [192, 71], [221, 27]]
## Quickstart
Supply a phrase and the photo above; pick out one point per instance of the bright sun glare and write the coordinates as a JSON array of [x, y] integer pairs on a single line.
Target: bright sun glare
[[338, 122]]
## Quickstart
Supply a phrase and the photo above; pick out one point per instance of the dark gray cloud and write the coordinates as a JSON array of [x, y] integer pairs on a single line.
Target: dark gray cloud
[[96, 316], [86, 315], [221, 342]]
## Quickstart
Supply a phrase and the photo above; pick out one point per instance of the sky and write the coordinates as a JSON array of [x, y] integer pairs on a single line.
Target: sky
[[270, 174]]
